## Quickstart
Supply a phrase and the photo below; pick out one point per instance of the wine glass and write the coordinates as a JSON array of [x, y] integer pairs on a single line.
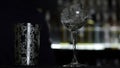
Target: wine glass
[[73, 18]]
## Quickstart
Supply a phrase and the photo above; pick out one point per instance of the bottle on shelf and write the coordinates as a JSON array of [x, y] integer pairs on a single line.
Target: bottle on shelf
[[97, 29], [114, 28], [81, 35]]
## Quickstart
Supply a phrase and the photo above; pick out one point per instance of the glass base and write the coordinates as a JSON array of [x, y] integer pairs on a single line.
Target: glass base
[[76, 64]]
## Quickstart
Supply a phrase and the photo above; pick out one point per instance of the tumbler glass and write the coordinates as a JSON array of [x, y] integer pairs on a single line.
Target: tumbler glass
[[27, 43]]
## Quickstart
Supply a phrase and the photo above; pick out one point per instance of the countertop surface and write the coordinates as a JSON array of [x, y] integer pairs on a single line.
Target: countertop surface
[[58, 67]]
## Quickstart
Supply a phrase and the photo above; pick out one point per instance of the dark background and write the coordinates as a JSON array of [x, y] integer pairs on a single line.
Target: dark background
[[23, 11], [17, 11]]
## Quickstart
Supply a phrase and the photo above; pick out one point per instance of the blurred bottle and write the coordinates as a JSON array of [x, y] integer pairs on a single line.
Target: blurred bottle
[[89, 31], [65, 35], [98, 5], [97, 29], [114, 24], [106, 28], [114, 29], [113, 5], [105, 6], [96, 12], [89, 27], [81, 35]]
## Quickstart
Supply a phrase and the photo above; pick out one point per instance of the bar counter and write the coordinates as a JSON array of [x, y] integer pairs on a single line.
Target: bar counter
[[57, 67]]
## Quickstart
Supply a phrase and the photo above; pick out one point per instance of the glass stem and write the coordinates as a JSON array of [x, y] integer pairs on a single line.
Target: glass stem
[[74, 34]]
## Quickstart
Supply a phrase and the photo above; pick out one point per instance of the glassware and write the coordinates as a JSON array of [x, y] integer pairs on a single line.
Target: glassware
[[27, 43], [73, 18]]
